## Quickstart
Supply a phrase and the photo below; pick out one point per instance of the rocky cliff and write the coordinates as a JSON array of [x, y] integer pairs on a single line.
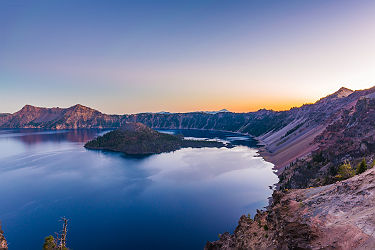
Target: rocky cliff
[[336, 216]]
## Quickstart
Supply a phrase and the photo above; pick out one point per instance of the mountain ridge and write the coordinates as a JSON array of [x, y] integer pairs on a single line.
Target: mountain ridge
[[286, 135]]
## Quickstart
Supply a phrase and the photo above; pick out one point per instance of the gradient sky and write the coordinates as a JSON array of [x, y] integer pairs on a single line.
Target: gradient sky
[[137, 56]]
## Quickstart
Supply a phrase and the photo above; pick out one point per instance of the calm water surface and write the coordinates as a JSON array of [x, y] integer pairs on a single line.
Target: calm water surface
[[175, 200]]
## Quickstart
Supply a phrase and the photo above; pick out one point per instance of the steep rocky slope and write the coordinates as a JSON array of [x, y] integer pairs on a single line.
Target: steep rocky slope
[[336, 216], [350, 138], [296, 139]]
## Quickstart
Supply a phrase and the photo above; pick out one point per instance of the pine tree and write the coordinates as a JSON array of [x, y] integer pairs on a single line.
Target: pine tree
[[362, 167], [49, 243]]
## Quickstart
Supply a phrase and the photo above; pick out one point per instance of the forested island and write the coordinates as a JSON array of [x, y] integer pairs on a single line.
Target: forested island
[[138, 139]]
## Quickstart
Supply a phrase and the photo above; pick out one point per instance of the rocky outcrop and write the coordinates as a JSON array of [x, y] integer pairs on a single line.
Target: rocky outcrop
[[3, 242], [336, 216], [282, 226], [249, 234]]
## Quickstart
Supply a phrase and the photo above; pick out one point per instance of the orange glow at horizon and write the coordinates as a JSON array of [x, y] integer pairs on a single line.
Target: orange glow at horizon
[[190, 59]]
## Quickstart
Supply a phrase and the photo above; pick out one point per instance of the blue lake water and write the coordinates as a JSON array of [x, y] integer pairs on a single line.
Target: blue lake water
[[175, 200]]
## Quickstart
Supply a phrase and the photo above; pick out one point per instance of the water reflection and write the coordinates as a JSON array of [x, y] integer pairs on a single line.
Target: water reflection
[[223, 136], [34, 136]]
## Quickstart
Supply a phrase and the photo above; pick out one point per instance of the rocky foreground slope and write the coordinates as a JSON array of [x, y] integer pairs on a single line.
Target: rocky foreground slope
[[336, 216]]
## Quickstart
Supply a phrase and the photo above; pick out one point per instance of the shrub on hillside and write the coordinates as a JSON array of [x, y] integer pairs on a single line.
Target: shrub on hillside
[[372, 164], [345, 171], [318, 157]]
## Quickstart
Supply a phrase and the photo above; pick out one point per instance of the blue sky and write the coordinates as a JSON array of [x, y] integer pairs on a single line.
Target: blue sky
[[138, 56]]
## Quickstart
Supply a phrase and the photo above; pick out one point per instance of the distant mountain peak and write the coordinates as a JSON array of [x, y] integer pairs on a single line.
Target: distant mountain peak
[[80, 107], [223, 110], [216, 112], [163, 112], [343, 92], [344, 89], [29, 108]]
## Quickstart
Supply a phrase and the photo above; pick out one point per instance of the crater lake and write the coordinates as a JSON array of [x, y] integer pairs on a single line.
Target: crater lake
[[176, 200]]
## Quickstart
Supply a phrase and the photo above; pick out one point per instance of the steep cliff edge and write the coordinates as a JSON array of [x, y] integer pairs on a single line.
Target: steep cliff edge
[[336, 216]]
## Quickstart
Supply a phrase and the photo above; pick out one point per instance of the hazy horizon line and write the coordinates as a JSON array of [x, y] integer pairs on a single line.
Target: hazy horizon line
[[192, 111]]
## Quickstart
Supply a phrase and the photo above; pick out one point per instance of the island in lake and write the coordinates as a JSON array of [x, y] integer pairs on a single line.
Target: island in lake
[[138, 139]]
